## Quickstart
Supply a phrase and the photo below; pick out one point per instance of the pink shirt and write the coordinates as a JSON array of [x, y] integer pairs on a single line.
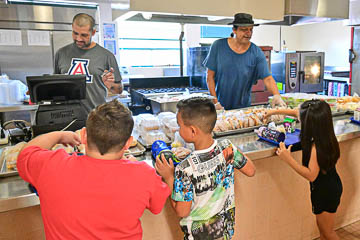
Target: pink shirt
[[86, 198]]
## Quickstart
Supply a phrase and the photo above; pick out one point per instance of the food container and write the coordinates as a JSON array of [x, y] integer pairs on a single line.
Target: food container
[[147, 138], [163, 106], [147, 122]]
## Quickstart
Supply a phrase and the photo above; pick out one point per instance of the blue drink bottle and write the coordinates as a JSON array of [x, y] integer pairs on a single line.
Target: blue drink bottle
[[159, 147]]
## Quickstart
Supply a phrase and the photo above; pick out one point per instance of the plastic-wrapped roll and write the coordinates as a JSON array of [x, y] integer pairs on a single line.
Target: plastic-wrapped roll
[[272, 135]]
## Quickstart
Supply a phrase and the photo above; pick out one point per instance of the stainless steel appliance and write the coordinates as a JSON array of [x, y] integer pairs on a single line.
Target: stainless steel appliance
[[300, 71], [31, 59], [59, 98], [354, 53], [259, 93], [143, 89]]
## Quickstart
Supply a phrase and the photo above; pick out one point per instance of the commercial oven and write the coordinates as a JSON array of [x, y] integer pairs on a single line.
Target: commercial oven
[[300, 71]]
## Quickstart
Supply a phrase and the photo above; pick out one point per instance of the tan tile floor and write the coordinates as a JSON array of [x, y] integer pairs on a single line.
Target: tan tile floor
[[349, 232]]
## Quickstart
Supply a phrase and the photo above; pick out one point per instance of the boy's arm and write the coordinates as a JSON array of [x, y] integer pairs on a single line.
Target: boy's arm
[[30, 162], [242, 162], [182, 209], [166, 170], [249, 168], [49, 140]]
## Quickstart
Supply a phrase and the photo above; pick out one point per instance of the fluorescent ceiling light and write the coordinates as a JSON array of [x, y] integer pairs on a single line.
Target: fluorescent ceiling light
[[54, 2], [215, 18], [146, 15], [120, 6], [127, 15]]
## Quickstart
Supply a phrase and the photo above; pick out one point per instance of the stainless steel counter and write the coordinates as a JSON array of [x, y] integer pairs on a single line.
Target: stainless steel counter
[[14, 192], [17, 107]]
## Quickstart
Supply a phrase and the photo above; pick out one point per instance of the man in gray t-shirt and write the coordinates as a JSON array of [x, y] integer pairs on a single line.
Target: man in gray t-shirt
[[87, 57]]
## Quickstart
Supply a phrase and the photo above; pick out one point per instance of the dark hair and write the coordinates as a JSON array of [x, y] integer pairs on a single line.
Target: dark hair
[[199, 112], [83, 19], [109, 126], [234, 28], [317, 128]]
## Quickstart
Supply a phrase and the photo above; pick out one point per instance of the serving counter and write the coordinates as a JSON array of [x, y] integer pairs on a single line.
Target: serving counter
[[274, 204]]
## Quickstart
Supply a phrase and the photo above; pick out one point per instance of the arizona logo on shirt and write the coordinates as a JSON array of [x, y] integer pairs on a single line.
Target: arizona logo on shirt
[[80, 66]]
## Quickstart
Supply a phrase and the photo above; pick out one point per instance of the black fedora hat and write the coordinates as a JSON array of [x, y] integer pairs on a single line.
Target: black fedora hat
[[243, 20]]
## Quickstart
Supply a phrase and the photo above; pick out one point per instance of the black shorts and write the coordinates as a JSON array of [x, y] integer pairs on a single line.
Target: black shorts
[[326, 193]]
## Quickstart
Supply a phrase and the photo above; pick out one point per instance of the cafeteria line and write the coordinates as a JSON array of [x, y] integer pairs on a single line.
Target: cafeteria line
[[274, 204]]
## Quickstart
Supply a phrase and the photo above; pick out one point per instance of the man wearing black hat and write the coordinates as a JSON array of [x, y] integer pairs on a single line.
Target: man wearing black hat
[[235, 64]]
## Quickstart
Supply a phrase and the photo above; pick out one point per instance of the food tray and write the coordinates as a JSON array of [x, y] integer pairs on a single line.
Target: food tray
[[241, 130], [290, 139], [236, 131], [354, 121], [3, 170], [340, 113], [136, 150], [148, 146]]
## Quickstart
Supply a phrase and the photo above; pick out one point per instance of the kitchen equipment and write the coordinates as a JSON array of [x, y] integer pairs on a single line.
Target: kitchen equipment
[[298, 71], [259, 93], [161, 106], [168, 103], [59, 98], [142, 89]]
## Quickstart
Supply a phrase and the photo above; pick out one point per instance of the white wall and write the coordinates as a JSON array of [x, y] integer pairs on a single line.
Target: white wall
[[266, 35], [333, 38]]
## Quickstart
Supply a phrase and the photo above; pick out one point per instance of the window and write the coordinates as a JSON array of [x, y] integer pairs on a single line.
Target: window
[[208, 34], [149, 44]]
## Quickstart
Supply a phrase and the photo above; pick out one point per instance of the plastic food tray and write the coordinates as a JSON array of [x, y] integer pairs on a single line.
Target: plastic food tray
[[241, 130], [148, 146], [290, 139], [4, 172], [137, 150], [236, 131]]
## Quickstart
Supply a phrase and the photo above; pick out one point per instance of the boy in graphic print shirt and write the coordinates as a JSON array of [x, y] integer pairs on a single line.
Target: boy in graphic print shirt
[[203, 184]]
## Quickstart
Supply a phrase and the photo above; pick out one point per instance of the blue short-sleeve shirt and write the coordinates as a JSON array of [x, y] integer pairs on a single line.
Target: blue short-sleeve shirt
[[235, 73]]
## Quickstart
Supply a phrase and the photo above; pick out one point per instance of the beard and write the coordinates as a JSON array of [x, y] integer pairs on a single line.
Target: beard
[[82, 45]]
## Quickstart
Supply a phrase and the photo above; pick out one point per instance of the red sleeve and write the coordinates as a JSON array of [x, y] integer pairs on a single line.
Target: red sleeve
[[160, 193], [31, 161]]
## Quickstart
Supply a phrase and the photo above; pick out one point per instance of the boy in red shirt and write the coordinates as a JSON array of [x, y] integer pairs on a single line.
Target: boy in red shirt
[[100, 195]]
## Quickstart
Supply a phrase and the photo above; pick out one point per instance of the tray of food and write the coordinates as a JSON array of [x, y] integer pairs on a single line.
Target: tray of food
[[147, 142], [136, 149], [5, 172], [242, 121], [8, 157]]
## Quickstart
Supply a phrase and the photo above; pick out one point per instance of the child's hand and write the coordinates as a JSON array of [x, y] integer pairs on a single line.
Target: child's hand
[[69, 138], [130, 157], [268, 114], [284, 153], [165, 169]]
